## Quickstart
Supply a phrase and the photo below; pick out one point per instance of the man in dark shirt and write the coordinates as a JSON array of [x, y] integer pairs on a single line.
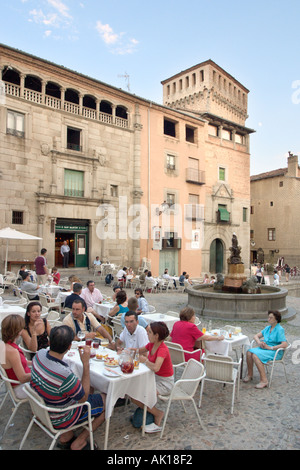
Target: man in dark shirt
[[77, 288]]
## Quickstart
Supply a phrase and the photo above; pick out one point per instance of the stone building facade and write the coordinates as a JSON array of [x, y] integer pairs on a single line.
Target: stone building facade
[[208, 91], [87, 162], [275, 217]]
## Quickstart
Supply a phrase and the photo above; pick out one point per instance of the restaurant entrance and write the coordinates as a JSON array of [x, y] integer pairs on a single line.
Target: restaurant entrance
[[76, 233]]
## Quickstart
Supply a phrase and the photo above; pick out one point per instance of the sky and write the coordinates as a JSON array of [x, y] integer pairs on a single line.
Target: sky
[[134, 45]]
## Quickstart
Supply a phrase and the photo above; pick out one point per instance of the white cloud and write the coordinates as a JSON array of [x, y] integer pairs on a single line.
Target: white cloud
[[117, 41], [60, 7], [106, 33]]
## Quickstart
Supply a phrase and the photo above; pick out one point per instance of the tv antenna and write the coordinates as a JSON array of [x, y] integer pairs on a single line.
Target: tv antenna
[[126, 76]]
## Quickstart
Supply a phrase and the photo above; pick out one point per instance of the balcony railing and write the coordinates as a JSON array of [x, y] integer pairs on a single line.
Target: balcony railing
[[195, 176], [72, 108]]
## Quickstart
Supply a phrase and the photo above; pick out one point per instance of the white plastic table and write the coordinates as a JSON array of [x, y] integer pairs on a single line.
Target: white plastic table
[[167, 319]]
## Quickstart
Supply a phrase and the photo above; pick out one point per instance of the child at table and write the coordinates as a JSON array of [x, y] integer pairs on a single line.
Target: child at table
[[55, 276]]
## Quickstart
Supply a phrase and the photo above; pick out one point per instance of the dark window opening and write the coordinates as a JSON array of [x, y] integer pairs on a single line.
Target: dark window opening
[[105, 107], [89, 102], [17, 217], [121, 112], [53, 90], [10, 75], [169, 128], [33, 83], [73, 139], [190, 134], [72, 96]]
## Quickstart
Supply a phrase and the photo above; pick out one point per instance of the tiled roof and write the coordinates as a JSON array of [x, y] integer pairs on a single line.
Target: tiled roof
[[269, 174]]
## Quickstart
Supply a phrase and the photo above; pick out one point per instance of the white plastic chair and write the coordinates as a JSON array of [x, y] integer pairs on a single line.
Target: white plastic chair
[[53, 315], [185, 389], [177, 354], [17, 402], [151, 308], [275, 361], [223, 370], [116, 326], [50, 305], [171, 313], [42, 419], [19, 302], [149, 285]]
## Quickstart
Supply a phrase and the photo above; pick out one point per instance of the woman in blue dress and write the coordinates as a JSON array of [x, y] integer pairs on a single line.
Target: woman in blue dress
[[268, 340]]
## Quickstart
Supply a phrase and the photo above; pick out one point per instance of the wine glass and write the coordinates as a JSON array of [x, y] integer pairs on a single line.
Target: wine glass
[[81, 335]]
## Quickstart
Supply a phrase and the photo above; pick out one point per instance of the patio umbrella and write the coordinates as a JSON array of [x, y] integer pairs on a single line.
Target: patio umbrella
[[12, 234]]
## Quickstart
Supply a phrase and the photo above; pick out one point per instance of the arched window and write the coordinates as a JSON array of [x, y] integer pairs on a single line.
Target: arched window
[[89, 102], [105, 107], [121, 112], [10, 75], [72, 96], [53, 90], [33, 83]]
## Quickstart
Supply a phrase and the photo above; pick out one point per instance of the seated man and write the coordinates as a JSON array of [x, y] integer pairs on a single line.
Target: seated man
[[79, 320], [31, 289], [55, 382], [133, 335], [77, 289], [133, 307], [91, 295]]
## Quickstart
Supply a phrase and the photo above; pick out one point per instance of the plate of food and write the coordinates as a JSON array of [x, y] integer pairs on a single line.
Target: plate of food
[[101, 357], [215, 332], [111, 362]]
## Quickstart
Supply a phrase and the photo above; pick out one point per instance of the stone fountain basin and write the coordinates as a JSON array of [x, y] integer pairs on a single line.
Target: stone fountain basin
[[211, 303]]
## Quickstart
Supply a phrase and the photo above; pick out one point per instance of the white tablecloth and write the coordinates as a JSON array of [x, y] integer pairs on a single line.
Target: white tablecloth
[[51, 290], [61, 297], [104, 308], [139, 385], [167, 319], [11, 309], [226, 346]]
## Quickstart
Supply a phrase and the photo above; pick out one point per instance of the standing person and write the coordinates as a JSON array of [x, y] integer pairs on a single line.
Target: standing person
[[259, 274], [287, 272], [41, 267], [276, 279], [55, 382], [65, 253]]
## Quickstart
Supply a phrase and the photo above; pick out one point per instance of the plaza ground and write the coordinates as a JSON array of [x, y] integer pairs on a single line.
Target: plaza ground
[[265, 419]]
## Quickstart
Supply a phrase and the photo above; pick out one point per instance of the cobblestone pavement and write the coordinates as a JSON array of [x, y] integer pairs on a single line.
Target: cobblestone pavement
[[265, 419]]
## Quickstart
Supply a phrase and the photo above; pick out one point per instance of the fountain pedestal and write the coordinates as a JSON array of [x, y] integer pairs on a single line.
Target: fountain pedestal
[[235, 278]]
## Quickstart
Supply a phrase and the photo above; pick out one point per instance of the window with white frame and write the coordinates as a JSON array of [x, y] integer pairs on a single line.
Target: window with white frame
[[15, 123], [171, 162]]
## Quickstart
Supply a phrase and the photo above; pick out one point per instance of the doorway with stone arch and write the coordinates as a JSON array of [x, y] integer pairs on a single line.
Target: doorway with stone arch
[[216, 256]]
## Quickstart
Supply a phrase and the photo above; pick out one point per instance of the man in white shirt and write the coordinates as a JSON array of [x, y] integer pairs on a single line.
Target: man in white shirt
[[91, 295], [65, 253], [133, 335]]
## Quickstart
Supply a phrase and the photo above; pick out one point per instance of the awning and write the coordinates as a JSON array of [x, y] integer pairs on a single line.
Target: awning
[[224, 214]]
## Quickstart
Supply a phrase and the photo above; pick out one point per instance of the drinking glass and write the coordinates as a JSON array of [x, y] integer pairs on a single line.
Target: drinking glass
[[81, 335]]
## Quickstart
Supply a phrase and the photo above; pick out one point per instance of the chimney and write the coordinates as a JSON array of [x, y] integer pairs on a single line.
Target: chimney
[[292, 165]]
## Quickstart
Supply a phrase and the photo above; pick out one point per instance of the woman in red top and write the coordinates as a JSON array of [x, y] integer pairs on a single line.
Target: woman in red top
[[158, 360], [188, 335], [16, 365]]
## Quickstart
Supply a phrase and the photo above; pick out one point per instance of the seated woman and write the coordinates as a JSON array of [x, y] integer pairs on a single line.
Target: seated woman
[[122, 305], [269, 339], [143, 304], [188, 335], [159, 361], [37, 330], [16, 365]]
